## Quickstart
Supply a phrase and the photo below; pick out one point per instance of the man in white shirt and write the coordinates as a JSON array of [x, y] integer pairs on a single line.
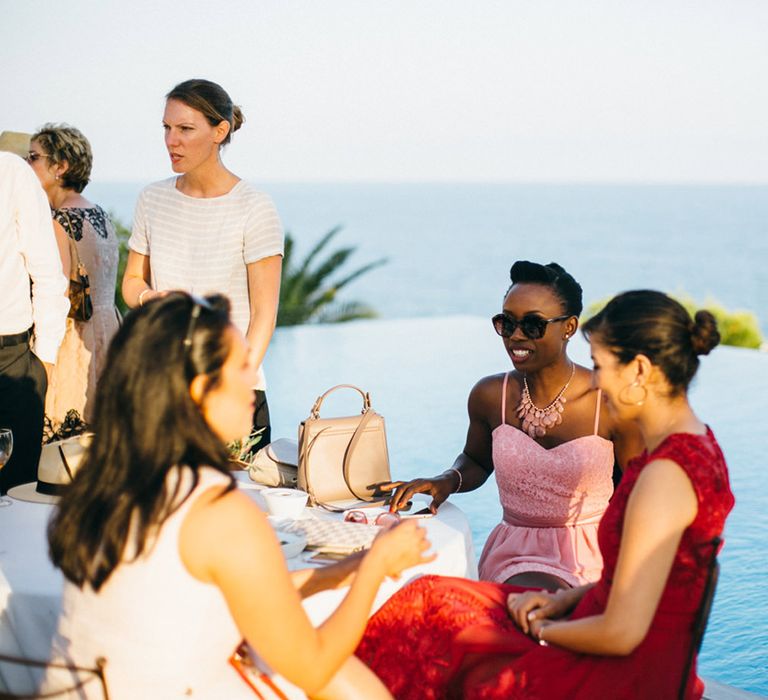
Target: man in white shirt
[[33, 294]]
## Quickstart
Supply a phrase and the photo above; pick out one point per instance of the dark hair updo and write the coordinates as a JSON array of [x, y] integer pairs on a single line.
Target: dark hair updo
[[650, 323], [211, 100], [553, 276]]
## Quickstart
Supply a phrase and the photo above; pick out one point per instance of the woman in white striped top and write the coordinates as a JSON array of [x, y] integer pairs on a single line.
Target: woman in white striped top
[[205, 230]]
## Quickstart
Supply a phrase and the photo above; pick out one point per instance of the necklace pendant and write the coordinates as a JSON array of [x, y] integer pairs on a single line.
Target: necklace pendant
[[536, 421]]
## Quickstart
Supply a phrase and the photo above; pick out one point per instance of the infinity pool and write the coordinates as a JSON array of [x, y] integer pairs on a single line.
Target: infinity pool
[[419, 373]]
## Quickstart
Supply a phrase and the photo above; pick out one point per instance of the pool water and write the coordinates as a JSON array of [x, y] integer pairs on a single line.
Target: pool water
[[419, 373]]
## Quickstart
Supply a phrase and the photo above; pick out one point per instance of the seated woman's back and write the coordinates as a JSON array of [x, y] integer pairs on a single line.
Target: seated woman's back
[[154, 615]]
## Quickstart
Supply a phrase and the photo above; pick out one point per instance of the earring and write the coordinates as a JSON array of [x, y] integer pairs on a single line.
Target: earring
[[628, 389]]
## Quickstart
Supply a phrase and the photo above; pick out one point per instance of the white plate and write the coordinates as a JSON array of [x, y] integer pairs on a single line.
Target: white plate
[[290, 544]]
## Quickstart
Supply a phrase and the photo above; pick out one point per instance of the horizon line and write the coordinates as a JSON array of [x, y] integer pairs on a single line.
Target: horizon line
[[491, 182]]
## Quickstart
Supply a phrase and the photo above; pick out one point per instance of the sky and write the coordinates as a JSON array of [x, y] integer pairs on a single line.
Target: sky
[[411, 90]]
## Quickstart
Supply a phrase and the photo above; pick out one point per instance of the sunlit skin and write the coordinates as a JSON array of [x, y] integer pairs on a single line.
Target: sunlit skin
[[44, 167], [192, 143], [50, 175], [228, 407], [622, 397], [544, 360]]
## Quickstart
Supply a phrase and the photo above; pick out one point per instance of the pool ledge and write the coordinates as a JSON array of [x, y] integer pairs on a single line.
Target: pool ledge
[[717, 691]]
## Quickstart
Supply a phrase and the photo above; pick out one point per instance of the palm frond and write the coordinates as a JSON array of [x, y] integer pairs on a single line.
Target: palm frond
[[307, 293], [288, 250], [318, 247]]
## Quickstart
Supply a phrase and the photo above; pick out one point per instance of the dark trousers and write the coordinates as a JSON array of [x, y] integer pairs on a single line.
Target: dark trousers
[[261, 419], [23, 383]]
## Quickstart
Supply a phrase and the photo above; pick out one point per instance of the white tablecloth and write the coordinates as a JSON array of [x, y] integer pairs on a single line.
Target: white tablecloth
[[30, 587]]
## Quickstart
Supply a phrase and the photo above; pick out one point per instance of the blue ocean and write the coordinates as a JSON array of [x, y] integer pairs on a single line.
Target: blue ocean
[[449, 248]]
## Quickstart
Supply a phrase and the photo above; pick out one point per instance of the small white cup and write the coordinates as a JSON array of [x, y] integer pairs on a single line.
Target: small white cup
[[285, 503]]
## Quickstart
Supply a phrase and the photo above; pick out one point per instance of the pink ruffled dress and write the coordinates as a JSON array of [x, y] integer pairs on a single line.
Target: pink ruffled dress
[[552, 502]]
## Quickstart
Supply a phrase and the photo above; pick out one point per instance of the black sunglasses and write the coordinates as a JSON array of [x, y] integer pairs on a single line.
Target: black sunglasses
[[533, 327]]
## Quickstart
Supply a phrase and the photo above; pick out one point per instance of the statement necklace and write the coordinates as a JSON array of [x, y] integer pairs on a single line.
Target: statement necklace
[[536, 421]]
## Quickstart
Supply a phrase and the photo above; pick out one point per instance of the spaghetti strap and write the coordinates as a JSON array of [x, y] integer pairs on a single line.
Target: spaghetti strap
[[504, 399], [597, 409]]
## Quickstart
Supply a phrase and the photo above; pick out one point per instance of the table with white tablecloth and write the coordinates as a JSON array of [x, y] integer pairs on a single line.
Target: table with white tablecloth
[[31, 588]]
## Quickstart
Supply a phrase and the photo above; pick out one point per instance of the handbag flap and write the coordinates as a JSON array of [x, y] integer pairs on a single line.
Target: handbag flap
[[284, 450]]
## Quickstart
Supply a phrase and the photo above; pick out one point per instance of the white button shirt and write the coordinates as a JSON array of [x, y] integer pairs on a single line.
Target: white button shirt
[[28, 251]]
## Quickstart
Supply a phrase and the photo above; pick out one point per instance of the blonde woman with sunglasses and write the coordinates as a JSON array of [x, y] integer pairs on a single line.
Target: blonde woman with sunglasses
[[61, 157], [544, 431]]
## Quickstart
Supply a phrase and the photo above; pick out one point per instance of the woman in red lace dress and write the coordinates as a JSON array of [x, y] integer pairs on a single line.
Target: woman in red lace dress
[[628, 635]]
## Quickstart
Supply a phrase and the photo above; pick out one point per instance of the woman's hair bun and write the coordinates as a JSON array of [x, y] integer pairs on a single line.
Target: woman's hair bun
[[553, 276], [238, 118], [704, 333]]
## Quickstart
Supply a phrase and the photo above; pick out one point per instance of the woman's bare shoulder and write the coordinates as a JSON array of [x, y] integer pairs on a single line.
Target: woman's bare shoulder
[[217, 516], [485, 396], [490, 386]]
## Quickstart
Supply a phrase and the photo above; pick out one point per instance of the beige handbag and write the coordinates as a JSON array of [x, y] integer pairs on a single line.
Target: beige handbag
[[341, 459]]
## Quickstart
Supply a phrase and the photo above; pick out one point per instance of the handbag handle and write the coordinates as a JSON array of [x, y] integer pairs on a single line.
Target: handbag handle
[[315, 412], [365, 418], [71, 233]]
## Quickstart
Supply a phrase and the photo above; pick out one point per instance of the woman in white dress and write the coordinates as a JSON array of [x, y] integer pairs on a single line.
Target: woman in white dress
[[205, 230], [167, 565]]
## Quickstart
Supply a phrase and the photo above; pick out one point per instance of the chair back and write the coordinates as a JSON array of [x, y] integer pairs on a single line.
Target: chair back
[[702, 614], [77, 681]]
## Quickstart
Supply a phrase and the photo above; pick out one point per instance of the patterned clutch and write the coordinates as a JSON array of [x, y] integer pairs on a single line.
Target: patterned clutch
[[333, 536]]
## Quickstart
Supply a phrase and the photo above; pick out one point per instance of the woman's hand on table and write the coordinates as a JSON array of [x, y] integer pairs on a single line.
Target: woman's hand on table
[[439, 487], [400, 547]]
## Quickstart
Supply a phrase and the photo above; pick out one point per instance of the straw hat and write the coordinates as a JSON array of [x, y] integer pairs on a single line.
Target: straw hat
[[15, 142], [59, 461]]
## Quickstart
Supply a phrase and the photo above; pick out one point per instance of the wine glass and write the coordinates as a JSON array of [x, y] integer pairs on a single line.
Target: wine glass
[[6, 448]]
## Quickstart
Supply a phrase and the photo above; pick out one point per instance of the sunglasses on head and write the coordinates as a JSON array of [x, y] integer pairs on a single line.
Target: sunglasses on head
[[198, 304], [532, 326]]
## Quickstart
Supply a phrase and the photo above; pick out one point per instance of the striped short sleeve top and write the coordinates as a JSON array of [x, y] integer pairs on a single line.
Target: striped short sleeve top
[[202, 245]]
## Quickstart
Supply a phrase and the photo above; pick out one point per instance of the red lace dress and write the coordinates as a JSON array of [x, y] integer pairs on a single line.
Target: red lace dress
[[445, 637]]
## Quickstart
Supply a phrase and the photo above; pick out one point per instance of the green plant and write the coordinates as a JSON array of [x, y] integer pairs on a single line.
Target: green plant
[[306, 293], [738, 328], [123, 234], [244, 450]]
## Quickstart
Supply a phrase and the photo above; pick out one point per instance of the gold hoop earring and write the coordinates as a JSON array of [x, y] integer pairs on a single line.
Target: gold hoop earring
[[628, 388]]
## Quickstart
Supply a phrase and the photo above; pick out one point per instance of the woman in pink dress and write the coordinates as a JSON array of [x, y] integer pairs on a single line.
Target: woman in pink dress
[[545, 432], [629, 636]]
